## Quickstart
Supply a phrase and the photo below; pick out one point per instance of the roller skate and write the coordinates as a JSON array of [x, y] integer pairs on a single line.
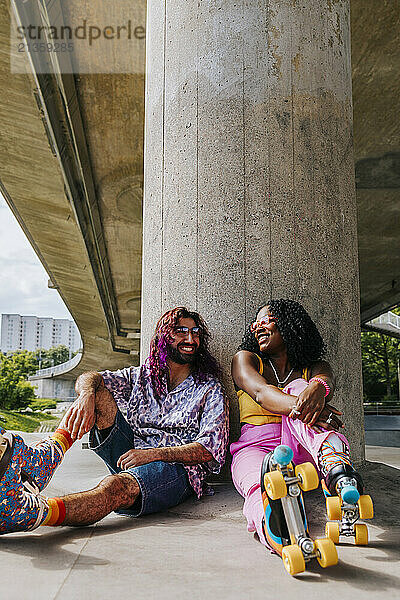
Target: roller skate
[[345, 504], [285, 523]]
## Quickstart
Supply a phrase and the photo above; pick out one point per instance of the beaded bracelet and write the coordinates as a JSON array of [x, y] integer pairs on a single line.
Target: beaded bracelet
[[326, 386]]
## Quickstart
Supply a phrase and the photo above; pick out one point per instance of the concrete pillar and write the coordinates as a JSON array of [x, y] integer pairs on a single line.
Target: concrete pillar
[[249, 173]]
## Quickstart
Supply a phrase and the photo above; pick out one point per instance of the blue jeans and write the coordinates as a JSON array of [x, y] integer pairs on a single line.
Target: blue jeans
[[162, 485]]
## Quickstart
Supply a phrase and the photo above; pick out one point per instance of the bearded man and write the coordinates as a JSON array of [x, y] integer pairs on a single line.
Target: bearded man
[[175, 434]]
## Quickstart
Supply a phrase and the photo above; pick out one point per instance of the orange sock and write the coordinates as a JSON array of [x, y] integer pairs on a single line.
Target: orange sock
[[56, 514], [63, 437]]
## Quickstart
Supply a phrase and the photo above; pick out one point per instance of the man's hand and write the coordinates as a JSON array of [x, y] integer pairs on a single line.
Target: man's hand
[[80, 418], [187, 454], [135, 458], [310, 403]]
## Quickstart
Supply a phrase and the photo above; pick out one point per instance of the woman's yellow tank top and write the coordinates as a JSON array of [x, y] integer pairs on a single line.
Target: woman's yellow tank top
[[253, 413]]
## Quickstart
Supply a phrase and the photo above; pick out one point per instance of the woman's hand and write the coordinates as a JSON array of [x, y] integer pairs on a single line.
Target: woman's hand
[[310, 404], [329, 419]]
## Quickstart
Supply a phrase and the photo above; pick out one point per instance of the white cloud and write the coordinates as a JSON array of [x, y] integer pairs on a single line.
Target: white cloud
[[23, 279]]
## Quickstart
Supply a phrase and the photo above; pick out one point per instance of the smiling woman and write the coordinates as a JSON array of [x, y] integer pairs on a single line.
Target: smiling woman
[[284, 388]]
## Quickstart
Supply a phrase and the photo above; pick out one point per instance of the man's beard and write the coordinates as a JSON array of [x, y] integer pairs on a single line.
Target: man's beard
[[180, 358]]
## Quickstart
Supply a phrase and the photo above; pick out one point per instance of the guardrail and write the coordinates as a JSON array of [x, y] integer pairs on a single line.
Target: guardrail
[[57, 369], [381, 408], [388, 318]]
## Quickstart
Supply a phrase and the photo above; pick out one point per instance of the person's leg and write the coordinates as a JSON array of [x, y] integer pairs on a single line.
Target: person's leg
[[329, 451], [247, 457], [23, 472], [341, 483], [246, 469], [85, 508], [140, 490], [110, 437], [147, 489], [40, 461], [26, 470]]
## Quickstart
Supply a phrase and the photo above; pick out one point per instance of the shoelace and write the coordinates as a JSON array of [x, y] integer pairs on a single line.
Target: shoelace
[[53, 447], [32, 501]]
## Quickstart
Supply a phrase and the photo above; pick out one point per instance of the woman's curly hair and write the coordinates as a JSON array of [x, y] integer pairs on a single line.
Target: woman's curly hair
[[303, 341], [204, 365]]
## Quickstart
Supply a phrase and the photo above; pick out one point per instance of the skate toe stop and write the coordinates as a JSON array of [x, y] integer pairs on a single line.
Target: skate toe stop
[[283, 455], [350, 494]]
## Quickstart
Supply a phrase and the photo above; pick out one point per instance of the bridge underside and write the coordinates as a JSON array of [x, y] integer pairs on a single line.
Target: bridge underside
[[71, 158]]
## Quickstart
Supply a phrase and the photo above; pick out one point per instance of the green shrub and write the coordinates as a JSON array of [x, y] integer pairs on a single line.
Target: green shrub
[[43, 403], [18, 422]]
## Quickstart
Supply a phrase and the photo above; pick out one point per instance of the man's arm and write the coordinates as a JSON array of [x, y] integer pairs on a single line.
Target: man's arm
[[80, 417], [90, 381], [187, 454]]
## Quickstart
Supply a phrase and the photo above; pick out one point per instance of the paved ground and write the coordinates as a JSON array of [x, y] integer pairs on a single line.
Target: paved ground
[[200, 551]]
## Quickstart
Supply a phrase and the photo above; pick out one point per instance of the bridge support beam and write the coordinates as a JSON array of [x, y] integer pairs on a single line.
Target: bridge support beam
[[249, 173]]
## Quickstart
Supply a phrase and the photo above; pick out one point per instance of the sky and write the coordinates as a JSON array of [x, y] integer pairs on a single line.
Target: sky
[[23, 279]]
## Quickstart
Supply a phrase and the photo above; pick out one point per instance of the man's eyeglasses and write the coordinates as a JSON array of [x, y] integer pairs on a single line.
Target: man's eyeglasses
[[263, 322], [182, 331]]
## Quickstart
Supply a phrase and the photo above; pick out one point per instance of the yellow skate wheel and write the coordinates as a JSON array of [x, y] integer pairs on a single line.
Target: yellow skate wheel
[[333, 508], [327, 555], [365, 507], [332, 531], [293, 559], [308, 476], [275, 485], [361, 534]]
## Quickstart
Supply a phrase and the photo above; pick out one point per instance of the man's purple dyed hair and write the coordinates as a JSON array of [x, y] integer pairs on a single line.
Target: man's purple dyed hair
[[204, 365]]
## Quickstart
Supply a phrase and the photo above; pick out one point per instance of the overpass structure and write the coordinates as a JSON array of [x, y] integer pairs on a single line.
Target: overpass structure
[[388, 323], [72, 154], [72, 173]]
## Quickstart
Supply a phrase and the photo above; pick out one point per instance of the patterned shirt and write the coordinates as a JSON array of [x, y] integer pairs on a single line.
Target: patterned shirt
[[192, 412]]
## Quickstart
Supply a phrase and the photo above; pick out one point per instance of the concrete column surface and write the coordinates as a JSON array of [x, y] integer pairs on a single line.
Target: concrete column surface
[[249, 174]]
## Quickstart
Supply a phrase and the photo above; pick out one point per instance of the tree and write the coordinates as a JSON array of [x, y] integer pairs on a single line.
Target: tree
[[15, 392], [54, 356], [379, 358]]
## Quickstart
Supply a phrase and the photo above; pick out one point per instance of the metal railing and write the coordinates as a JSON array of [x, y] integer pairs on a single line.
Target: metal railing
[[57, 369], [382, 408], [388, 318]]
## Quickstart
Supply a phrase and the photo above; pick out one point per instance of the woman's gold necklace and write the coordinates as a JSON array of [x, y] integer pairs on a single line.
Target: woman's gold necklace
[[281, 384]]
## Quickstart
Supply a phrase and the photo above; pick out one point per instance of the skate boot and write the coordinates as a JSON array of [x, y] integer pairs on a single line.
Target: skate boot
[[285, 523], [345, 504], [21, 506]]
